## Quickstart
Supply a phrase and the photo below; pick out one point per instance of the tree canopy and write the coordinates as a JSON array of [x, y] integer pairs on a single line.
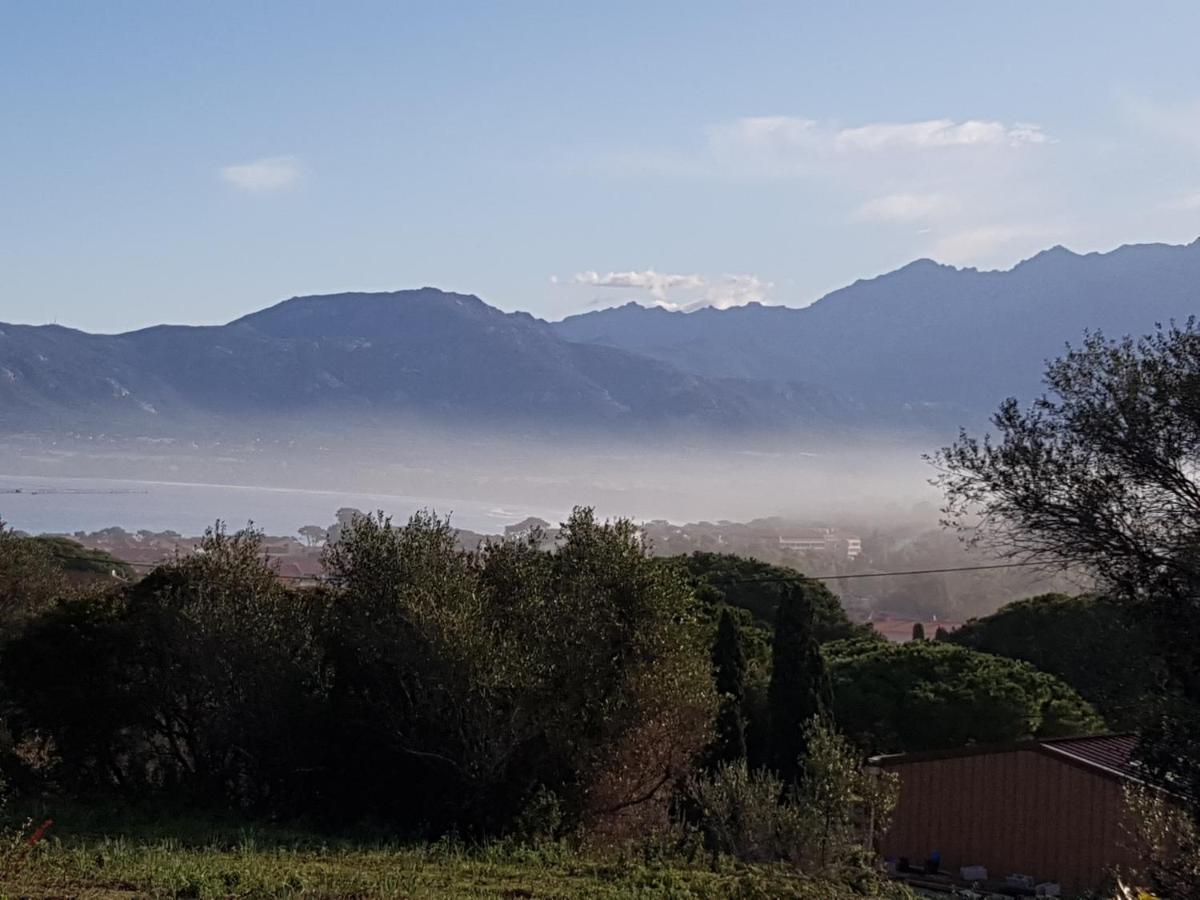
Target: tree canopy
[[1092, 643], [759, 587], [931, 695]]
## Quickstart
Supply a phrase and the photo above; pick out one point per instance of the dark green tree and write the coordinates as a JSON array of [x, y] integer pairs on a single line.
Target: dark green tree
[[799, 687], [918, 632], [758, 588], [941, 634], [1094, 644], [729, 673], [934, 695]]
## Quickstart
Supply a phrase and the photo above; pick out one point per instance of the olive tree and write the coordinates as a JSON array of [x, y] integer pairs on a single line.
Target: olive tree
[[1103, 472]]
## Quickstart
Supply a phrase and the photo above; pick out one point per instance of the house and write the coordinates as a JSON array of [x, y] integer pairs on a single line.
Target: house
[[1050, 809], [821, 540]]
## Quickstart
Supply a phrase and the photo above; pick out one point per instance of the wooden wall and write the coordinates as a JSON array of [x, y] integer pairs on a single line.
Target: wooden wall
[[1016, 811]]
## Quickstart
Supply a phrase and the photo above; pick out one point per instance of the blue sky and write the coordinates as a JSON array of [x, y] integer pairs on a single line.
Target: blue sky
[[190, 162]]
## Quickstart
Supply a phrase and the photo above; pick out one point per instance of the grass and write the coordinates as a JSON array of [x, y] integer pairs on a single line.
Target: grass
[[253, 865]]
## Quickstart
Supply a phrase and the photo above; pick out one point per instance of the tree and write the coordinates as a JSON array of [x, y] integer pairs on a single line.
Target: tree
[[933, 695], [846, 805], [941, 634], [313, 534], [1101, 472], [918, 631], [29, 579], [206, 678], [759, 588], [729, 671], [799, 688], [825, 824], [1093, 643], [468, 684]]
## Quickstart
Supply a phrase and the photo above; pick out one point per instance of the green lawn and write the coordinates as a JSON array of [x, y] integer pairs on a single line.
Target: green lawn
[[125, 868]]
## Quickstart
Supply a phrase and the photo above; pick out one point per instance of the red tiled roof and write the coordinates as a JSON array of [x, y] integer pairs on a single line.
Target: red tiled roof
[[1109, 752]]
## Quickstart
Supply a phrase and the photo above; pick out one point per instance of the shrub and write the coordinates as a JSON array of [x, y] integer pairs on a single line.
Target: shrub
[[743, 813]]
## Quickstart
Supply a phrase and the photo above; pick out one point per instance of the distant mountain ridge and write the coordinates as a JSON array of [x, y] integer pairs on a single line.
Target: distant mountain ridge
[[369, 358], [927, 345], [956, 341]]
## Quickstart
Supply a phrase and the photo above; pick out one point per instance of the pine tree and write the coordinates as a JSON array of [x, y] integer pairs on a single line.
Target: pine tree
[[941, 634], [800, 687], [918, 631], [729, 670]]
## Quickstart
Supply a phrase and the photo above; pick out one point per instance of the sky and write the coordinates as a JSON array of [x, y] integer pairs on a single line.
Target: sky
[[191, 162]]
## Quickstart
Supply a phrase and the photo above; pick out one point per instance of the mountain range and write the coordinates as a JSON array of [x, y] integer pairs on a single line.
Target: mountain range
[[925, 345]]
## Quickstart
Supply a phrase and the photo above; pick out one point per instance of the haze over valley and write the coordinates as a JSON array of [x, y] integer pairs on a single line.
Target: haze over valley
[[423, 398]]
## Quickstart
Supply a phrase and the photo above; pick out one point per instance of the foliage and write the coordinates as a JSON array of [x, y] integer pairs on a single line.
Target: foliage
[[251, 864], [729, 670], [824, 825], [29, 580], [845, 804], [1102, 471], [474, 680], [1167, 840], [204, 677], [918, 631], [313, 534], [744, 813], [1093, 643], [799, 688], [760, 588], [928, 695], [74, 558]]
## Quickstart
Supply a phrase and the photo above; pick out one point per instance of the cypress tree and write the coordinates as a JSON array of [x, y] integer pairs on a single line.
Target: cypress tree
[[918, 631], [941, 634], [729, 670], [800, 687]]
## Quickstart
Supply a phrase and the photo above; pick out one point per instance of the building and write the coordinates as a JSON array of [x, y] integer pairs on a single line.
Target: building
[[1049, 809], [821, 540]]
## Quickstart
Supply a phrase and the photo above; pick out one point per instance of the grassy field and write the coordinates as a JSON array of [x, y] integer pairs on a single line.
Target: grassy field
[[249, 866]]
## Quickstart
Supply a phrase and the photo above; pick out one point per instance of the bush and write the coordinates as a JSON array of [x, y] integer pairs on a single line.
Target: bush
[[824, 825], [743, 813]]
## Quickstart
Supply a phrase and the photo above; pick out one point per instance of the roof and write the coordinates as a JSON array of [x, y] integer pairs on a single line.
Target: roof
[[1110, 752], [1110, 755]]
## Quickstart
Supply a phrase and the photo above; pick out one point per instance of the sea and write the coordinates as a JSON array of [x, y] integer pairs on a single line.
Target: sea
[[40, 505]]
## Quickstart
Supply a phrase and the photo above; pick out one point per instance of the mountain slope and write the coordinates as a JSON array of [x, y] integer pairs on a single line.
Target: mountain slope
[[927, 336], [378, 357]]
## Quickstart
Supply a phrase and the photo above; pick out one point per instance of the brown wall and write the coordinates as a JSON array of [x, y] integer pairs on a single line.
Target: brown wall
[[1016, 811]]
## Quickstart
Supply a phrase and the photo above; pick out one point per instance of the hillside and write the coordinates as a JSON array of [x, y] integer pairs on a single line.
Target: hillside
[[926, 340], [927, 345], [369, 357]]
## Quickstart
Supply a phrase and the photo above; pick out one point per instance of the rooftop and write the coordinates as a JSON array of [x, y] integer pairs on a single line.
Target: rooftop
[[1107, 754]]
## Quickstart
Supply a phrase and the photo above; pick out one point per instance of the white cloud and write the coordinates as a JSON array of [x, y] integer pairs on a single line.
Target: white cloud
[[655, 283], [791, 146], [731, 290], [935, 133], [274, 173], [905, 207], [960, 190], [683, 292]]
